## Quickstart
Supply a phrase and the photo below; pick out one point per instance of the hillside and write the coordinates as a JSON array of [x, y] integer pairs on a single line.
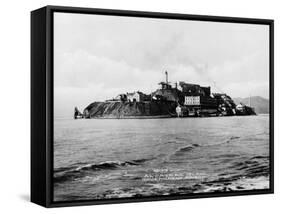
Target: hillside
[[260, 104], [129, 109]]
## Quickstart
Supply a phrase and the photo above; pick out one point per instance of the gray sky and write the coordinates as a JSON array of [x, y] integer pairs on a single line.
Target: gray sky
[[98, 57]]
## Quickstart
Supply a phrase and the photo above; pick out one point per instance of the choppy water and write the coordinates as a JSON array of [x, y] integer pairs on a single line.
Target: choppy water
[[111, 158]]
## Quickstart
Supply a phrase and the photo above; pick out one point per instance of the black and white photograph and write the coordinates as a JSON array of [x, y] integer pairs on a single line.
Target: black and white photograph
[[150, 107]]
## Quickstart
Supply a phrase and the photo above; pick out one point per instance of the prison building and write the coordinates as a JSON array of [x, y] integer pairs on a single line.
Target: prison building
[[194, 89], [137, 97], [197, 98]]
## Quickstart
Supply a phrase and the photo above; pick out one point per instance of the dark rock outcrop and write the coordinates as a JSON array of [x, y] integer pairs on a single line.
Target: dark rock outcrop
[[129, 109]]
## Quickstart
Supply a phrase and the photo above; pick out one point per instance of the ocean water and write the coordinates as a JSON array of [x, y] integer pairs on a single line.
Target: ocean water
[[120, 158]]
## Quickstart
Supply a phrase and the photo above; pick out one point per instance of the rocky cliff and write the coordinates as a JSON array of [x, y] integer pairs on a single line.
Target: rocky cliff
[[129, 109]]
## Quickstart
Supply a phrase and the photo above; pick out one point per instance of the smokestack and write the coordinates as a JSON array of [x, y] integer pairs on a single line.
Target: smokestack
[[166, 73]]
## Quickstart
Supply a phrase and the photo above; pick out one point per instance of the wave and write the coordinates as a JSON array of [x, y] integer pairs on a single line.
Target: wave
[[186, 149], [260, 157], [225, 156], [239, 173], [190, 147], [228, 140], [170, 142], [69, 173], [156, 189], [253, 167], [183, 150], [232, 138]]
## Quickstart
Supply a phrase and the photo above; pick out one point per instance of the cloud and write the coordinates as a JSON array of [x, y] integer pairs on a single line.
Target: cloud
[[97, 57], [243, 76]]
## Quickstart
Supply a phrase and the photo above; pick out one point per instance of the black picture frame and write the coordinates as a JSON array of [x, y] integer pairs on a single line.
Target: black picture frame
[[42, 102]]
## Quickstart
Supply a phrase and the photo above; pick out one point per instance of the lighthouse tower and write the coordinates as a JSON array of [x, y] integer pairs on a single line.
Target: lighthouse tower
[[166, 73]]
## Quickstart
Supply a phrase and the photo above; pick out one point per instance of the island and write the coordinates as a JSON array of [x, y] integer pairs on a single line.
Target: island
[[180, 99]]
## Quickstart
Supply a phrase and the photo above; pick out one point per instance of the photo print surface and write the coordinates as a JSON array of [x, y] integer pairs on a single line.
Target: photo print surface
[[158, 107]]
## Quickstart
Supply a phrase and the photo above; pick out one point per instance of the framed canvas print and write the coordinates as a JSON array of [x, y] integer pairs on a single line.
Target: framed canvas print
[[131, 106]]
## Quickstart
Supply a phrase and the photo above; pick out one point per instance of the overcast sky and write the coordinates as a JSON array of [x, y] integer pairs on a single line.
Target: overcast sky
[[98, 57]]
